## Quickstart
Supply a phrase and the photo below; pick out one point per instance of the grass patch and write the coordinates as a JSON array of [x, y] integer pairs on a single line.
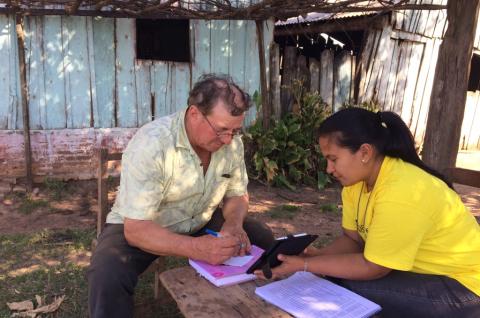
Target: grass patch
[[285, 211], [57, 188], [330, 207], [29, 205], [41, 264]]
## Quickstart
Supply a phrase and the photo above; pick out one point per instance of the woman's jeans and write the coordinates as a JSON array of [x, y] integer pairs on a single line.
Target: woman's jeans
[[409, 295]]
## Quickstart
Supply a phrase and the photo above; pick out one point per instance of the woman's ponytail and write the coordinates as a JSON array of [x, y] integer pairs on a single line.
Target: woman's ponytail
[[384, 130]]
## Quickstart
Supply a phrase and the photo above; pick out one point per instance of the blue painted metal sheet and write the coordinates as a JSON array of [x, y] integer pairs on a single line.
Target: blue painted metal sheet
[[77, 76], [238, 39], [125, 74], [104, 61], [56, 116]]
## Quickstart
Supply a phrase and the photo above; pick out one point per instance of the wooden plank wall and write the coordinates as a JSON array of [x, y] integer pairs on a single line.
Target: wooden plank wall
[[9, 75], [398, 68], [82, 71], [331, 75]]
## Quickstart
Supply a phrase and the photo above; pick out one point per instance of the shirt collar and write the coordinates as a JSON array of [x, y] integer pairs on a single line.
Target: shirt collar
[[182, 137]]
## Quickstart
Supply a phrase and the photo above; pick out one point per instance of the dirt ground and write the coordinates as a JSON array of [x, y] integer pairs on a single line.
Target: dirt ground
[[74, 205]]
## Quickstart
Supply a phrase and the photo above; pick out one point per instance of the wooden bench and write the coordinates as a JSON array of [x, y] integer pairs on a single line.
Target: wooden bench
[[103, 208], [196, 297]]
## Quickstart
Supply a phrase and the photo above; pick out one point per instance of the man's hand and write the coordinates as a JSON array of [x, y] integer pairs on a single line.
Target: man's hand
[[236, 231], [214, 250], [290, 264], [234, 212]]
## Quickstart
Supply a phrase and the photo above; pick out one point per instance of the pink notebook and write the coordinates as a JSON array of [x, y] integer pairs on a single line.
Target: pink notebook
[[224, 275]]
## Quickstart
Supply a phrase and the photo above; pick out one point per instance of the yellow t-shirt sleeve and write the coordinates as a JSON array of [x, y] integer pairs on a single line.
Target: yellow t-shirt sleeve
[[395, 234]]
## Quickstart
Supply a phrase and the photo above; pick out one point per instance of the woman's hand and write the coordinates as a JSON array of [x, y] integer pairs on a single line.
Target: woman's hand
[[290, 264]]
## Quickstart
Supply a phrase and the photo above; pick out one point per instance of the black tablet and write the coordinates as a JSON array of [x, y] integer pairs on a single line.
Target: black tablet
[[288, 245]]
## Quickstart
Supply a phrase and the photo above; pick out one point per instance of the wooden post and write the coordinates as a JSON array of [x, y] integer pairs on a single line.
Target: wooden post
[[266, 109], [449, 92], [275, 80], [102, 188], [24, 100], [288, 75]]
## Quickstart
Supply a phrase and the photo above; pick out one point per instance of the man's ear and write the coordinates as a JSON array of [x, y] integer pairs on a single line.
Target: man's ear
[[366, 152]]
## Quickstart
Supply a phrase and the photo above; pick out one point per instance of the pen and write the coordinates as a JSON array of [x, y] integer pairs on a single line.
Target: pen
[[212, 232]]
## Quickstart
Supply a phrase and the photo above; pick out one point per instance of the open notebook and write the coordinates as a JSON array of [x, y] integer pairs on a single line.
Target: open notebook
[[225, 275], [306, 295]]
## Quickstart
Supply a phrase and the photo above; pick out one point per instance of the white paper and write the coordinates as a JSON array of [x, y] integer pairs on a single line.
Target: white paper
[[305, 295], [238, 260]]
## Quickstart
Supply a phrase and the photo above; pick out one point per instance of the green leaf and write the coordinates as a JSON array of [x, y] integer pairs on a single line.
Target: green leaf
[[281, 180], [270, 169], [322, 180]]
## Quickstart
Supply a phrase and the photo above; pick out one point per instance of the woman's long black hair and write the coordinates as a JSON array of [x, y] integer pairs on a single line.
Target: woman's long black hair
[[386, 131]]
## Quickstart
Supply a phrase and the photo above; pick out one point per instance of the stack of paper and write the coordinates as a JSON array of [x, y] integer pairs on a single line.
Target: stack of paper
[[225, 275], [305, 295]]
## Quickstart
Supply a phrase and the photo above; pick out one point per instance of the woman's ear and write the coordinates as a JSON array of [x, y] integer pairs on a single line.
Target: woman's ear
[[366, 152]]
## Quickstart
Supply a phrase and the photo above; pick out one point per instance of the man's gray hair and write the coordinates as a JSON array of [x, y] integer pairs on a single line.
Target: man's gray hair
[[211, 88]]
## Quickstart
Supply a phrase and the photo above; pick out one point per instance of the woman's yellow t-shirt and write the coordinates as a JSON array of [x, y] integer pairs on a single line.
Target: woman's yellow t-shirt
[[412, 221]]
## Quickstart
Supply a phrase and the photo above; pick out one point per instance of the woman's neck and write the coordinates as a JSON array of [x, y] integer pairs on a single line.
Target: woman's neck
[[375, 171]]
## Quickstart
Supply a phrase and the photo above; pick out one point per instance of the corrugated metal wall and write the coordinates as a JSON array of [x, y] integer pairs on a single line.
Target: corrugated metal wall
[[82, 71]]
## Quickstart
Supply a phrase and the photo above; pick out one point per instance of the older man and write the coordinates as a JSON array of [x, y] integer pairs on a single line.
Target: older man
[[176, 171]]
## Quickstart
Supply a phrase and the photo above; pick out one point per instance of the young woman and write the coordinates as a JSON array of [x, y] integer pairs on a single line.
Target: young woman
[[409, 243]]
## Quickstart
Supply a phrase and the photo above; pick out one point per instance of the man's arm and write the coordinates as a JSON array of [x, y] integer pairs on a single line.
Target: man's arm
[[235, 210], [153, 238]]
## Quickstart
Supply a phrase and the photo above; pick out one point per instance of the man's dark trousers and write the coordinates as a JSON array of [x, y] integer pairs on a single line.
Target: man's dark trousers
[[115, 266]]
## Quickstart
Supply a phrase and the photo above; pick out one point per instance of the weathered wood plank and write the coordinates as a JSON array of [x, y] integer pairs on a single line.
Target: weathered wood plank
[[275, 80], [54, 73], [200, 39], [104, 66], [391, 77], [159, 88], [402, 72], [15, 121], [289, 69], [196, 297], [143, 86], [377, 64], [342, 79], [221, 47], [77, 72], [471, 123], [6, 51], [125, 73], [177, 87], [238, 39], [314, 70], [465, 176], [326, 76], [425, 103], [252, 67], [35, 72], [387, 73], [415, 58], [364, 63], [421, 82]]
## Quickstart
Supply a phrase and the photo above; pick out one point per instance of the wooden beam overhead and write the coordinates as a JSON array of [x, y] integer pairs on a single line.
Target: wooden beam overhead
[[206, 9]]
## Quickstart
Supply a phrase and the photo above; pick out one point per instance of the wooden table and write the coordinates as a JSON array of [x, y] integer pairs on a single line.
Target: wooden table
[[196, 297]]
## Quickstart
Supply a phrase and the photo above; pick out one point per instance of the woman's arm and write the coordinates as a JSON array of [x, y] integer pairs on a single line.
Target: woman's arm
[[348, 242]]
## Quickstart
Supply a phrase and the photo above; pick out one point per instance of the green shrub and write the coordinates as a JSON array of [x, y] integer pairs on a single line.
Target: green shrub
[[287, 153]]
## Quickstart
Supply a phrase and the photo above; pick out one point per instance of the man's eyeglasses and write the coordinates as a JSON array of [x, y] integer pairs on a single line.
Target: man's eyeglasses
[[222, 134]]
